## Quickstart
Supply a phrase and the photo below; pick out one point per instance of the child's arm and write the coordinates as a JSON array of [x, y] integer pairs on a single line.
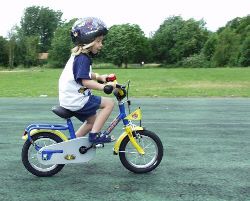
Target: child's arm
[[91, 84], [97, 77]]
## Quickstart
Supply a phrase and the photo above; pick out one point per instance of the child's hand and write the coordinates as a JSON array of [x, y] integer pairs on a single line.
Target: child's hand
[[113, 84], [105, 78], [102, 78]]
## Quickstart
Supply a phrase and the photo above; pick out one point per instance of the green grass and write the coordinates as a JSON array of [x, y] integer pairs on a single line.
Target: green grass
[[153, 82]]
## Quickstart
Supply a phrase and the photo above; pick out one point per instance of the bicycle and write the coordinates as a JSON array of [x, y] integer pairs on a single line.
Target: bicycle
[[47, 149]]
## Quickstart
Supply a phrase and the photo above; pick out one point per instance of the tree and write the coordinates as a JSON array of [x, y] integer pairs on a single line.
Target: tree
[[41, 22], [31, 56], [227, 49], [61, 45], [125, 43], [20, 47], [245, 53], [241, 26], [210, 46], [12, 35], [4, 51], [177, 39], [232, 47]]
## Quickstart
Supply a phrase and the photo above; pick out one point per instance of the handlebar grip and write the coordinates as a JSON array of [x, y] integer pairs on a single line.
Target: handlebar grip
[[108, 89], [100, 82]]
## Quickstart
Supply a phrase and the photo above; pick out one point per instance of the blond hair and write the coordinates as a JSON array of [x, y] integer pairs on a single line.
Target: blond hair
[[81, 49]]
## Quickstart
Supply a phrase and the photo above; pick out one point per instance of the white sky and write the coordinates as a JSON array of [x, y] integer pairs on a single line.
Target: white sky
[[149, 15]]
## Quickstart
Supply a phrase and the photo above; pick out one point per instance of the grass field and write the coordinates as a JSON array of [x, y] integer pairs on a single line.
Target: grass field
[[153, 82]]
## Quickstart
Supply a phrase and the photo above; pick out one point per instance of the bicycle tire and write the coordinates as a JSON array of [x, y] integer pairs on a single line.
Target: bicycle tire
[[143, 137], [35, 170]]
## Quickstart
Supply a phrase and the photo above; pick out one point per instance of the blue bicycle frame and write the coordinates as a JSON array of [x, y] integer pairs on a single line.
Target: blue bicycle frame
[[69, 126]]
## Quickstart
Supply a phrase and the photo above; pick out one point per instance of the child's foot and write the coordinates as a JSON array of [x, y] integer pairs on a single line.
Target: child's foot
[[100, 138]]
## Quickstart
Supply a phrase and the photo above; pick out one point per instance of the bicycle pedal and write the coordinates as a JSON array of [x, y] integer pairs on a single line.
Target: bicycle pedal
[[98, 145]]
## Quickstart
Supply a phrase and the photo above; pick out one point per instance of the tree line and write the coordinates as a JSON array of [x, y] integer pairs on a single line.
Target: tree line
[[177, 42]]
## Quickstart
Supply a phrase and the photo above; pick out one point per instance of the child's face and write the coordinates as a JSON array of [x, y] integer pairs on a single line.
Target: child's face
[[97, 45]]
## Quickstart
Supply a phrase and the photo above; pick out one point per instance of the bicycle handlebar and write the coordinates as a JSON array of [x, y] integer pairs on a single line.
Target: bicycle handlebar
[[121, 92]]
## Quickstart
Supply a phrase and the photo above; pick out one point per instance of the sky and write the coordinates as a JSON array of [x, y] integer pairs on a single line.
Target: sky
[[148, 14]]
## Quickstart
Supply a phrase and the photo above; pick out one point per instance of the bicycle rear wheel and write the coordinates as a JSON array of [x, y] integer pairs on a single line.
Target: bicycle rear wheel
[[29, 155], [134, 161]]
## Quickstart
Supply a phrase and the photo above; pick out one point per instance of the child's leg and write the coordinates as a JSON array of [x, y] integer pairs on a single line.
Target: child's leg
[[86, 127], [107, 105]]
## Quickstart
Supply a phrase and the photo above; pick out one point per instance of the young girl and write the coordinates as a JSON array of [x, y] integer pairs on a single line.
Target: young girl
[[77, 80]]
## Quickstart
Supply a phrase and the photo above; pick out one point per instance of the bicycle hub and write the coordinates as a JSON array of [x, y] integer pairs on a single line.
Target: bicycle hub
[[83, 150]]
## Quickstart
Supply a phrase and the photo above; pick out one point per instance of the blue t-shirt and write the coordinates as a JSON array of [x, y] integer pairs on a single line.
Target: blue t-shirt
[[81, 68]]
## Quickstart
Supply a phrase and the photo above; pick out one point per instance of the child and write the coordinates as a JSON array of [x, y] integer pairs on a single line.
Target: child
[[77, 80]]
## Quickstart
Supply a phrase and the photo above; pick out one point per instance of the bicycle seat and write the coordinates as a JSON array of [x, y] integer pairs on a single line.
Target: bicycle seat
[[62, 112]]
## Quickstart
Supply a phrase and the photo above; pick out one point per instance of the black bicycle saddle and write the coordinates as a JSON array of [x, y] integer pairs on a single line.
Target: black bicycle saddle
[[62, 112]]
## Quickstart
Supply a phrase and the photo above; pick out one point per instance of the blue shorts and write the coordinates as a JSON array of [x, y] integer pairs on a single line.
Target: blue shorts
[[89, 108]]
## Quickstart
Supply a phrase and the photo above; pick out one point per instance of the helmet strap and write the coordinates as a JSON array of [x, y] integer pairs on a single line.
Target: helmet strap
[[88, 45], [81, 49]]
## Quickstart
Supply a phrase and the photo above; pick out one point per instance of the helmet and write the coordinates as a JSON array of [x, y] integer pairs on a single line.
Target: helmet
[[85, 30]]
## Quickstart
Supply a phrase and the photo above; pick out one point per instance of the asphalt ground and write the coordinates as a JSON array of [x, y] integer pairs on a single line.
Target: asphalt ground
[[206, 154]]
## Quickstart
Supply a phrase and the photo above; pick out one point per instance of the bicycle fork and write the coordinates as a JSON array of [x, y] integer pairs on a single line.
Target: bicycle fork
[[128, 132]]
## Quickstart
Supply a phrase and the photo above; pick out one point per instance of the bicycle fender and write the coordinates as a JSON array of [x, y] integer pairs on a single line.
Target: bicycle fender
[[138, 128], [122, 136], [36, 131]]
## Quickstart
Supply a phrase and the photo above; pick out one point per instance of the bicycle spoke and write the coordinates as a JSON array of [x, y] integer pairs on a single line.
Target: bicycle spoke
[[138, 160], [33, 155]]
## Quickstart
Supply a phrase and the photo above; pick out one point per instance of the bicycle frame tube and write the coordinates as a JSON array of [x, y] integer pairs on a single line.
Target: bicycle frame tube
[[128, 130], [123, 113], [55, 127], [120, 116], [71, 129]]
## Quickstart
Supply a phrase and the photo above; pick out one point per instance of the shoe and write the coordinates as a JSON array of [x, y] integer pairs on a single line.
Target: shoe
[[100, 138]]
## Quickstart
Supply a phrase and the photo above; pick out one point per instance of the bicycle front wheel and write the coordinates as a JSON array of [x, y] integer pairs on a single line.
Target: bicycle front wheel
[[136, 162]]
